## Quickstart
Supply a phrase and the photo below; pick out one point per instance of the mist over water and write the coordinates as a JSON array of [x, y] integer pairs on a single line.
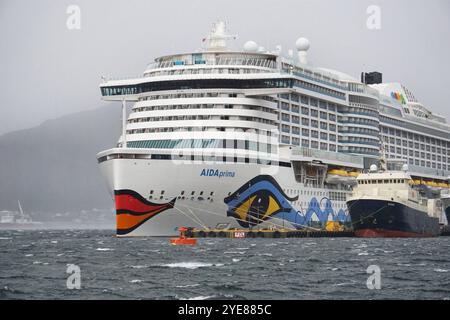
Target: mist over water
[[33, 265]]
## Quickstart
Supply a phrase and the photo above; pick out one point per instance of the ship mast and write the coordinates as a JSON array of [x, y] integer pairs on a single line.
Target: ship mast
[[124, 123], [20, 209], [383, 160], [217, 38]]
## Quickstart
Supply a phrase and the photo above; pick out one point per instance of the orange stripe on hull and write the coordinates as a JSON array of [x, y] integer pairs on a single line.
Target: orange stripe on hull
[[132, 210], [128, 221]]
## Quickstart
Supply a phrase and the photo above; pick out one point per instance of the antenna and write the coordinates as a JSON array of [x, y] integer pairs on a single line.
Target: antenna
[[20, 208], [124, 123], [218, 37]]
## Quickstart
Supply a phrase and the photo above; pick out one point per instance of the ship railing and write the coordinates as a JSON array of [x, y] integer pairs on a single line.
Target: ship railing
[[371, 143], [289, 67], [349, 113], [327, 155], [436, 172], [428, 122], [364, 89], [256, 62]]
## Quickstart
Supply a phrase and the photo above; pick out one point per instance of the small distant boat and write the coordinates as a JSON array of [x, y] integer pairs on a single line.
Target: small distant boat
[[182, 239], [16, 220]]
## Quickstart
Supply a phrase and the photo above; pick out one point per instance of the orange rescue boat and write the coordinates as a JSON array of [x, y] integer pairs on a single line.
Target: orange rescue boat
[[183, 240]]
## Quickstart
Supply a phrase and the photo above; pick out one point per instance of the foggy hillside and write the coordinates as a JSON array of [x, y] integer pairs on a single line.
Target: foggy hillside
[[53, 167]]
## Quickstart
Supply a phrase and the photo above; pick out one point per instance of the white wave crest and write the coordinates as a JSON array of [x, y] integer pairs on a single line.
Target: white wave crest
[[191, 265], [135, 281]]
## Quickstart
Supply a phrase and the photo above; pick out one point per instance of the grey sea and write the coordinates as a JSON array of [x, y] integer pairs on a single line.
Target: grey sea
[[34, 265]]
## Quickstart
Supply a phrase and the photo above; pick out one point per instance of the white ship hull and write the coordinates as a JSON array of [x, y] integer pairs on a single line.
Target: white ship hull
[[193, 195]]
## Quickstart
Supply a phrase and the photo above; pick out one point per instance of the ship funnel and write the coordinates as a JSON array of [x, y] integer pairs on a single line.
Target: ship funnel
[[302, 45]]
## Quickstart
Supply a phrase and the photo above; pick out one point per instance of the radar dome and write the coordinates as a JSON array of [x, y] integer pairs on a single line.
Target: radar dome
[[251, 46], [302, 44], [373, 168], [405, 168]]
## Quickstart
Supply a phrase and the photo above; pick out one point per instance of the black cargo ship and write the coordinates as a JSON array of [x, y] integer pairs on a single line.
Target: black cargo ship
[[446, 206], [382, 218], [388, 203], [447, 214]]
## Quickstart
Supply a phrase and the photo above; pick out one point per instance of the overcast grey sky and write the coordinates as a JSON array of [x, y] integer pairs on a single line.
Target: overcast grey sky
[[47, 70]]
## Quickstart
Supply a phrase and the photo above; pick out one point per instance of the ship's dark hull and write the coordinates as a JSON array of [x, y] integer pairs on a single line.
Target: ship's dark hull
[[446, 204], [381, 218]]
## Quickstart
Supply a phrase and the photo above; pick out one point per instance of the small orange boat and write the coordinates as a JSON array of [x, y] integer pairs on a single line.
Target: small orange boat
[[183, 240]]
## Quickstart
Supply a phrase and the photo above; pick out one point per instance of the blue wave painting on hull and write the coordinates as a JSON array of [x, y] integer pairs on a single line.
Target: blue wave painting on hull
[[298, 217], [262, 198]]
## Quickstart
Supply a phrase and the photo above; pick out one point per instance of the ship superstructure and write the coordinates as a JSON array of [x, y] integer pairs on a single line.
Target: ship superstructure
[[251, 139]]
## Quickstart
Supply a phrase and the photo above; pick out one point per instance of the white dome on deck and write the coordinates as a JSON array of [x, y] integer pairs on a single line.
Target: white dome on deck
[[251, 46], [302, 44]]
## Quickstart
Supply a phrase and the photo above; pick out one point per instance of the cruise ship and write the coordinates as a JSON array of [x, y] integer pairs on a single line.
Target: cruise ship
[[247, 138]]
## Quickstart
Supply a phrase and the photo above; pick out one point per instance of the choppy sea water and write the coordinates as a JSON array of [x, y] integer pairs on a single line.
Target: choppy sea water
[[33, 265]]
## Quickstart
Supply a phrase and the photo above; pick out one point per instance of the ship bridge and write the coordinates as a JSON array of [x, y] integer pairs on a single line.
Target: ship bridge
[[133, 89]]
